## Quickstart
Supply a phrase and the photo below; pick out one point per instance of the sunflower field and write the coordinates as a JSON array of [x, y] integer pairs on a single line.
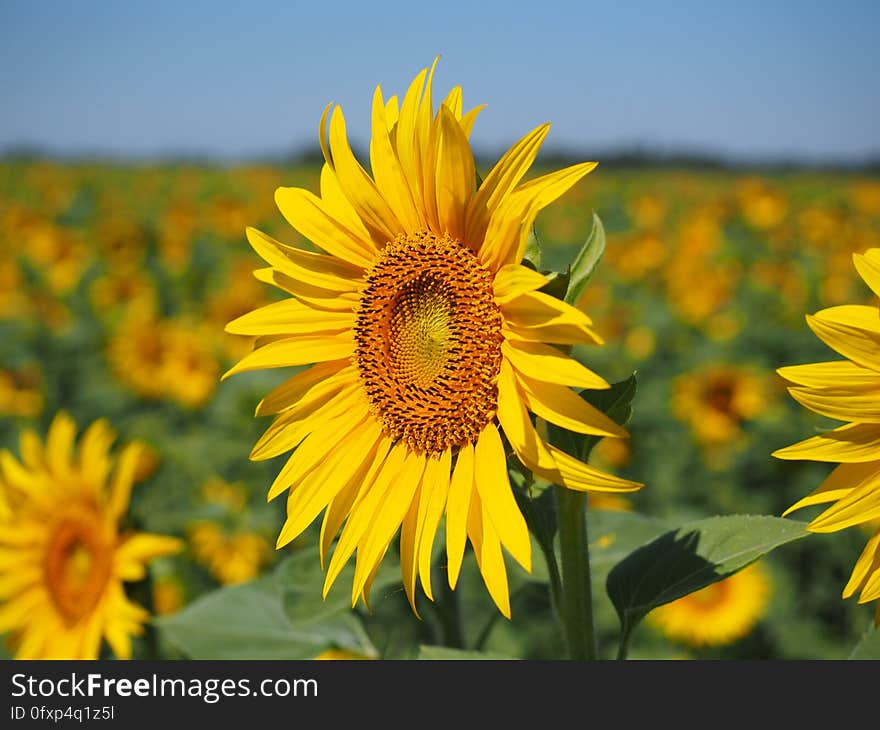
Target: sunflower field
[[118, 281]]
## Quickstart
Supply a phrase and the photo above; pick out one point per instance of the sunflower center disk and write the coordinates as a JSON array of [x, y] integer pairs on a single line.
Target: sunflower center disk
[[77, 565], [428, 336]]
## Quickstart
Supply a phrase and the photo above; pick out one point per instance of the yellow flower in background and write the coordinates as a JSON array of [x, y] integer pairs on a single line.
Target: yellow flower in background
[[762, 206], [164, 358], [231, 496], [340, 654], [21, 392], [63, 556], [429, 339], [168, 594], [720, 613], [846, 390], [715, 400], [126, 289], [230, 558], [241, 294]]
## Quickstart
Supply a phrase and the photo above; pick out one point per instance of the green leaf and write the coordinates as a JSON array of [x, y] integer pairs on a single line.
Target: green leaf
[[868, 646], [691, 557], [268, 618], [557, 283], [445, 653], [586, 261], [238, 622], [615, 534], [533, 250]]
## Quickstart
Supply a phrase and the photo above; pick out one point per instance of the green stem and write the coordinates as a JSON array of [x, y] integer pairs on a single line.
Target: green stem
[[577, 598], [623, 649], [555, 579]]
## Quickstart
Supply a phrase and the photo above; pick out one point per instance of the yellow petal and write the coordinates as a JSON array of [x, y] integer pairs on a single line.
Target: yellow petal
[[848, 444], [405, 136], [362, 512], [535, 314], [345, 414], [315, 297], [59, 444], [123, 478], [546, 363], [862, 405], [342, 503], [510, 224], [496, 495], [310, 216], [515, 279], [320, 486], [434, 508], [94, 452], [287, 394], [561, 406], [325, 402], [868, 563], [317, 269], [869, 269], [359, 187], [299, 350], [837, 373], [290, 317], [390, 178], [861, 505], [136, 550], [501, 179], [457, 509], [857, 343], [490, 559], [840, 482], [455, 175], [386, 520]]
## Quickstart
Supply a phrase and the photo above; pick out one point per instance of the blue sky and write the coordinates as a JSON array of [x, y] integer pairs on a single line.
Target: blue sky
[[232, 80]]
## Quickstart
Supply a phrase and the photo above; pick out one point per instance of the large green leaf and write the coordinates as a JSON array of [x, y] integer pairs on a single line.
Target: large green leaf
[[446, 653], [691, 557], [586, 261], [273, 617], [238, 622], [615, 534], [868, 646]]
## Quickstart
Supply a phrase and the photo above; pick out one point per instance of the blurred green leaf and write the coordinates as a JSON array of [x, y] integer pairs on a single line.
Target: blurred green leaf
[[691, 557], [586, 261], [249, 621], [869, 645], [444, 652]]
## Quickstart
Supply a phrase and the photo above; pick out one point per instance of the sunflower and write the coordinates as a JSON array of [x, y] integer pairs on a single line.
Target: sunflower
[[230, 558], [720, 613], [63, 559], [715, 400], [427, 338], [846, 390]]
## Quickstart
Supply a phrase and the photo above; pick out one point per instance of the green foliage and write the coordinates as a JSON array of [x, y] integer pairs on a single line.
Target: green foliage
[[586, 261], [691, 557], [445, 653], [868, 646], [277, 616]]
